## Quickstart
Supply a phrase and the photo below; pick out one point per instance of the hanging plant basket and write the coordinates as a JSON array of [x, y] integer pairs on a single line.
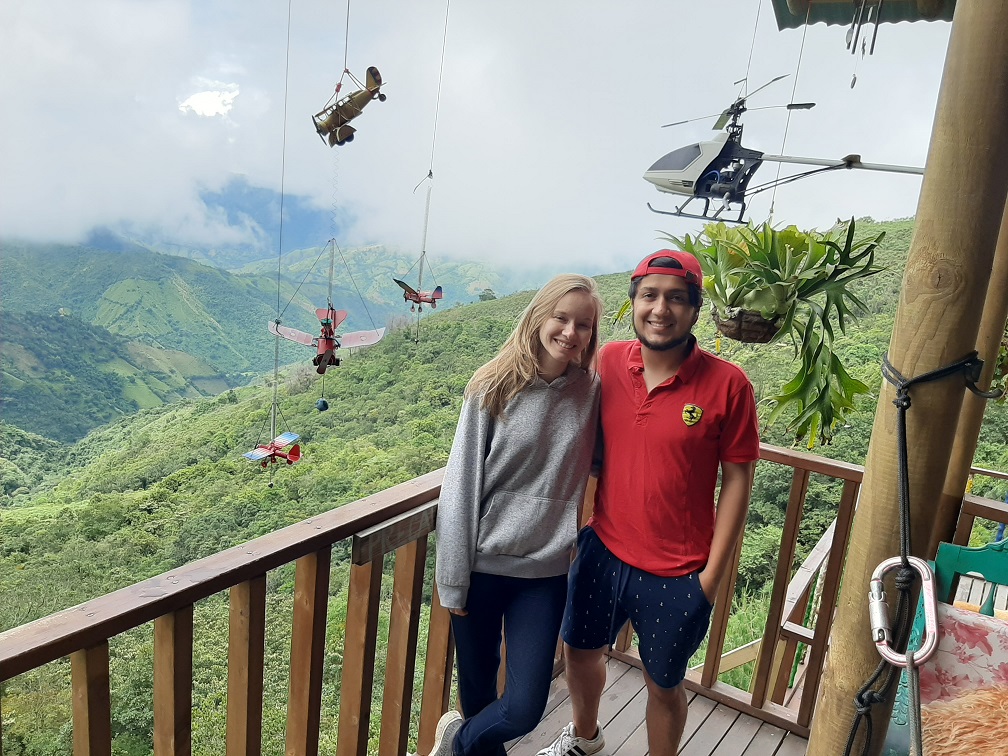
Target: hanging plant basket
[[747, 326]]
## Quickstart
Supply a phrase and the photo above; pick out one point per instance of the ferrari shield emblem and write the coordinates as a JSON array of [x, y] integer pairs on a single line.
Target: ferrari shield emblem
[[691, 414]]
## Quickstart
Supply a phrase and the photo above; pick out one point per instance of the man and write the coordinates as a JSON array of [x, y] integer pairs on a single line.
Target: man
[[655, 549]]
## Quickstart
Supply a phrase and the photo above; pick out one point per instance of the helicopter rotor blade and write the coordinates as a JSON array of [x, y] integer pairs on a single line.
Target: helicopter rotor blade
[[690, 120], [789, 106], [776, 78], [721, 121]]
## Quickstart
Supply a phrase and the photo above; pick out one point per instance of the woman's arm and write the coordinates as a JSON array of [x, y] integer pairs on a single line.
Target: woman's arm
[[459, 505]]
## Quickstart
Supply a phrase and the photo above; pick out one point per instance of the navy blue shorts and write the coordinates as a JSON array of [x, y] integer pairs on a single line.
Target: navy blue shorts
[[669, 615]]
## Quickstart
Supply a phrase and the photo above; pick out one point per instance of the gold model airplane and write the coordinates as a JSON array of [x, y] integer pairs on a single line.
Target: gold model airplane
[[333, 122]]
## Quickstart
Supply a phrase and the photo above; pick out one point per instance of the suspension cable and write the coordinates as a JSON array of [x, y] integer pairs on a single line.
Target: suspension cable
[[787, 123]]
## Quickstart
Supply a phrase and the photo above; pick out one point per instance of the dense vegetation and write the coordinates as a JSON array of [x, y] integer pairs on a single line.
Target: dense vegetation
[[91, 334], [167, 485]]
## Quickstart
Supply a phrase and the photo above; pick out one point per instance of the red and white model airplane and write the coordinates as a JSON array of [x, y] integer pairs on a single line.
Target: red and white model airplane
[[273, 452], [419, 298], [328, 341]]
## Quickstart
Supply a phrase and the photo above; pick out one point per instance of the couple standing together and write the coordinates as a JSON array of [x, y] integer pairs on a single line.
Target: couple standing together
[[652, 419]]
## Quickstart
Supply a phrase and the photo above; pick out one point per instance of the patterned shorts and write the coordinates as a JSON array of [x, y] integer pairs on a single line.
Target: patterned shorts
[[669, 614]]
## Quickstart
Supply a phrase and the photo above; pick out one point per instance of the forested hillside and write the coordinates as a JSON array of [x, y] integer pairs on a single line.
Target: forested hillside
[[91, 334], [168, 485]]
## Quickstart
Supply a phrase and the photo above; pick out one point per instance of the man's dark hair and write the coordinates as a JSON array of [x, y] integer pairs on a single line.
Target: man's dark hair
[[695, 293]]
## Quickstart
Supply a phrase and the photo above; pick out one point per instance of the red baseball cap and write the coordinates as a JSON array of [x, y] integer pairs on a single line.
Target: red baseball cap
[[690, 270]]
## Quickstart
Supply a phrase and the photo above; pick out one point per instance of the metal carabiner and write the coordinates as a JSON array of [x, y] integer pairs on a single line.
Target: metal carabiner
[[878, 611]]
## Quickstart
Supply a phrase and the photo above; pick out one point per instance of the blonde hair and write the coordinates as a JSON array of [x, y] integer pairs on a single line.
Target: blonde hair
[[517, 363]]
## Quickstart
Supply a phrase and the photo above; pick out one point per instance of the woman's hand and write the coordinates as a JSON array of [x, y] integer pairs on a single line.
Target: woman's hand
[[459, 612]]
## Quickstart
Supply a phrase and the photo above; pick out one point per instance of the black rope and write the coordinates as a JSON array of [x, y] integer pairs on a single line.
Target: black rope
[[868, 695]]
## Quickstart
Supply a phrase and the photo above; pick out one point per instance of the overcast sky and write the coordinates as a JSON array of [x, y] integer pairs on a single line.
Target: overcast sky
[[123, 111]]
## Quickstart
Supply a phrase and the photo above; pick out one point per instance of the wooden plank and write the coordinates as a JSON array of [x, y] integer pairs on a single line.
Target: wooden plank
[[827, 603], [768, 738], [246, 651], [792, 746], [739, 737], [437, 673], [304, 705], [173, 660], [719, 618], [622, 726], [713, 730], [91, 623], [624, 639], [789, 539], [549, 726], [636, 744], [92, 711], [811, 463], [699, 709], [359, 642], [400, 662], [386, 537], [737, 699]]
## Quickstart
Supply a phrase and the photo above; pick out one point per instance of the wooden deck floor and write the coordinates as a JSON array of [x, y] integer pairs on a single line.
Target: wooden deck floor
[[711, 729]]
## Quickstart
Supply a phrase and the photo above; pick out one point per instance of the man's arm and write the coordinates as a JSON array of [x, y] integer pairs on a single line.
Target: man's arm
[[729, 522]]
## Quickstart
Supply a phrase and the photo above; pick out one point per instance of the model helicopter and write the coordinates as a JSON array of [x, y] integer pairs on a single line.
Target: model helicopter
[[419, 298], [271, 453], [722, 168], [328, 341], [333, 122]]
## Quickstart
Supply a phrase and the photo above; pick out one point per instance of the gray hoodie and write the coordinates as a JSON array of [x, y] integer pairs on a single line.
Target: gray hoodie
[[512, 486]]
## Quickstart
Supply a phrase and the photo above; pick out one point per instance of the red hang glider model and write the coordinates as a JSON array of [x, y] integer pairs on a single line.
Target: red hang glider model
[[328, 341], [419, 298], [273, 452]]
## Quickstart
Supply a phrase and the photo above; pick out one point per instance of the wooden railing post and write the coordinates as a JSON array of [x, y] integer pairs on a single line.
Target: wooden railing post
[[246, 651], [173, 664], [359, 641], [789, 538], [437, 673], [400, 661], [304, 706], [92, 710]]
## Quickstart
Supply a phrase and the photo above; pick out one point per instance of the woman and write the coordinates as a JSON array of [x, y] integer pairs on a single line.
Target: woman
[[508, 512]]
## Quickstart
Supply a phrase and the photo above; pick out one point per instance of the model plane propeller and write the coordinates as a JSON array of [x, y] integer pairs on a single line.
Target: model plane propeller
[[419, 298], [333, 122], [721, 169], [271, 453], [328, 341]]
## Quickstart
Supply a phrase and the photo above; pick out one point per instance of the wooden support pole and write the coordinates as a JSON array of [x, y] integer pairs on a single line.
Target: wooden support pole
[[173, 666], [438, 667], [958, 215], [359, 643], [992, 326]]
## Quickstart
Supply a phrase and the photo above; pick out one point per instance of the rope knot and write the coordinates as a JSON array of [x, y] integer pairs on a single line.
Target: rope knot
[[863, 701], [902, 400], [905, 577]]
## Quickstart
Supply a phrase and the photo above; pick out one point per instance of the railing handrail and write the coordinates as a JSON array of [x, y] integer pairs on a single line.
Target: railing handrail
[[36, 643]]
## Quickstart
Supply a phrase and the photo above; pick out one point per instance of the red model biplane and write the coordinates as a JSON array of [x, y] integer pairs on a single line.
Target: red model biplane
[[272, 452], [328, 341], [419, 298]]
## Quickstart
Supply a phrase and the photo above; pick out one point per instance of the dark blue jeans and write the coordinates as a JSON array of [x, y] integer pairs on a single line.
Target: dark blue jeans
[[531, 610]]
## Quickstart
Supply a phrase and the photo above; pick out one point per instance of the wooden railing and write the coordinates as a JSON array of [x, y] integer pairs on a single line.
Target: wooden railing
[[399, 521]]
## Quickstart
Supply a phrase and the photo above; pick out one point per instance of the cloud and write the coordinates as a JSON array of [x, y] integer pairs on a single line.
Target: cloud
[[126, 112], [211, 102]]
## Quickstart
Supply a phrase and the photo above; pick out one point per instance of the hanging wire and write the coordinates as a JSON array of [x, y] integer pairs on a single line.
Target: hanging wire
[[437, 103], [752, 46], [350, 275], [787, 123]]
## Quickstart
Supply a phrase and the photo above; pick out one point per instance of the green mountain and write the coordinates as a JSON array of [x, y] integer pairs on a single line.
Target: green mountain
[[92, 334]]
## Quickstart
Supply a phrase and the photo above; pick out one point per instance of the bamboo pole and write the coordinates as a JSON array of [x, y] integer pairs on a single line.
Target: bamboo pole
[[992, 327], [958, 214]]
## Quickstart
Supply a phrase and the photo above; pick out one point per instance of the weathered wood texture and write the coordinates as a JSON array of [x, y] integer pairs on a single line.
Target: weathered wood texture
[[246, 654], [173, 659]]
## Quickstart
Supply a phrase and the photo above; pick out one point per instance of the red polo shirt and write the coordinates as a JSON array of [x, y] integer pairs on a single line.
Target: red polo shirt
[[654, 505]]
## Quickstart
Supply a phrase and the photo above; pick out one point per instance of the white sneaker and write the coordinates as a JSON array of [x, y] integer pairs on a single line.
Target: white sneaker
[[569, 744], [444, 736]]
